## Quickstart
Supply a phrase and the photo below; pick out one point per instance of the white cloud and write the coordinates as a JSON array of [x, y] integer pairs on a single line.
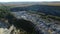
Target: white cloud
[[26, 0]]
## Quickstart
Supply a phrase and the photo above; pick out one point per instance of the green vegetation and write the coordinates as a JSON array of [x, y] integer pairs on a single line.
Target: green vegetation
[[4, 11]]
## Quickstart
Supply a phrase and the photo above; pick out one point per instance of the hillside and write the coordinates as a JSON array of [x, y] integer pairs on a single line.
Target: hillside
[[48, 10]]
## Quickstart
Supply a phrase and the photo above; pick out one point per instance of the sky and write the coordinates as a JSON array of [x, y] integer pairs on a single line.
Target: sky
[[27, 0]]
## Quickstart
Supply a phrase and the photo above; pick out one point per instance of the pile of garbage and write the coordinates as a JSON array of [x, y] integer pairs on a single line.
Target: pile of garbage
[[42, 25]]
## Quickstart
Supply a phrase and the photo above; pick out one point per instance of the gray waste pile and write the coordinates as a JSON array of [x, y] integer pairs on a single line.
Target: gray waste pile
[[42, 25]]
